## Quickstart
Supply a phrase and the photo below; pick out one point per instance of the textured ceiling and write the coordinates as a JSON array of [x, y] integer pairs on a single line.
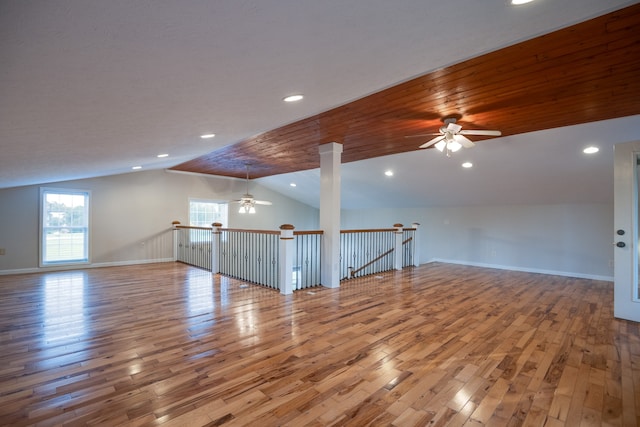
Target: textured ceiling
[[91, 88]]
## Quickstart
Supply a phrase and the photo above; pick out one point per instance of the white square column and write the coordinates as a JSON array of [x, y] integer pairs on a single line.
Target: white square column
[[330, 160]]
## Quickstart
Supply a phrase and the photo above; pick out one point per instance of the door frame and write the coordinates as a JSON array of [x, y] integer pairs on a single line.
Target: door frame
[[626, 304]]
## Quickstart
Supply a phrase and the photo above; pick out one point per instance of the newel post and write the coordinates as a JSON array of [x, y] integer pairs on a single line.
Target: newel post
[[215, 247], [176, 238], [397, 252], [416, 247], [286, 259]]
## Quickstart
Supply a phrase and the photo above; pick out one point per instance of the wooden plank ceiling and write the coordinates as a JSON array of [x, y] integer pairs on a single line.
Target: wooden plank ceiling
[[584, 73]]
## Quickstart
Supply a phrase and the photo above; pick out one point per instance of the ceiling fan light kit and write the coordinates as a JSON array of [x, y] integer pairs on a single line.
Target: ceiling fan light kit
[[247, 201], [247, 208], [451, 146], [450, 137]]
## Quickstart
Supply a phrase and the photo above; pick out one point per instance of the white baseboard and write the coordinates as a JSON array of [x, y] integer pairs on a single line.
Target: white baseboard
[[446, 261], [83, 266], [525, 270]]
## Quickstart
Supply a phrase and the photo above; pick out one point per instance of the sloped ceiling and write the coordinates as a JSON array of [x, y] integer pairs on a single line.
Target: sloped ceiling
[[91, 88], [580, 74]]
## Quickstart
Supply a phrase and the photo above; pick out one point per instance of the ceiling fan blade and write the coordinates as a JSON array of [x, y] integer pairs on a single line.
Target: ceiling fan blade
[[431, 142], [422, 135], [464, 141], [262, 202], [480, 132]]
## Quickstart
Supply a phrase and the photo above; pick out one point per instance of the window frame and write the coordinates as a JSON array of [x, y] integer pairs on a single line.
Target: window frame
[[43, 227], [194, 236]]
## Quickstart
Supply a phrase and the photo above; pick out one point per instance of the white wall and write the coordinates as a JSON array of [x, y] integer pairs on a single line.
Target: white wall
[[569, 240], [131, 215]]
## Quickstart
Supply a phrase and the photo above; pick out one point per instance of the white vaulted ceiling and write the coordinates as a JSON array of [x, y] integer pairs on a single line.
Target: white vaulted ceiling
[[91, 88]]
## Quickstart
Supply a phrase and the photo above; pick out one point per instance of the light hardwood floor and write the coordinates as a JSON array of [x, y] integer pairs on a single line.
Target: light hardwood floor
[[172, 345]]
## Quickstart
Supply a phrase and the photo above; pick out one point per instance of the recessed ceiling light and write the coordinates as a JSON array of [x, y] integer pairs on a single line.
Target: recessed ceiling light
[[207, 135], [591, 150], [162, 155], [519, 2], [135, 168], [293, 184], [293, 98], [467, 165], [389, 173]]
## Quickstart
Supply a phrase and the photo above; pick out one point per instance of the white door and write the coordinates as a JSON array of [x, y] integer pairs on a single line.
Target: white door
[[626, 301]]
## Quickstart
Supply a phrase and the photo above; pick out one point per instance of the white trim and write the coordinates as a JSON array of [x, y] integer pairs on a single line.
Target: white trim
[[41, 206], [446, 261], [525, 270], [626, 304], [206, 175], [82, 267]]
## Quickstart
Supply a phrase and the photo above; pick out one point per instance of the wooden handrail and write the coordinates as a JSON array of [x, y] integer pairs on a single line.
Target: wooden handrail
[[353, 272], [302, 232], [193, 227], [251, 231], [297, 233], [373, 230]]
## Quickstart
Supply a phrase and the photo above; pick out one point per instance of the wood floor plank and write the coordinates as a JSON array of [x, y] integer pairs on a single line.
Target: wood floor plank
[[441, 345]]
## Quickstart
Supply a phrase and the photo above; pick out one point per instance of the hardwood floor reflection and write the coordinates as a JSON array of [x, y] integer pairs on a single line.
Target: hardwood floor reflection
[[168, 344]]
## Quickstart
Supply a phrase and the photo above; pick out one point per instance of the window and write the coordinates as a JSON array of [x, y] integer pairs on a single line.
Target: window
[[64, 226], [203, 213]]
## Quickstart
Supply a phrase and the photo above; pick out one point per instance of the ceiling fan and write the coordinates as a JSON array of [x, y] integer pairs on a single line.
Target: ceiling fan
[[247, 201], [451, 137]]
